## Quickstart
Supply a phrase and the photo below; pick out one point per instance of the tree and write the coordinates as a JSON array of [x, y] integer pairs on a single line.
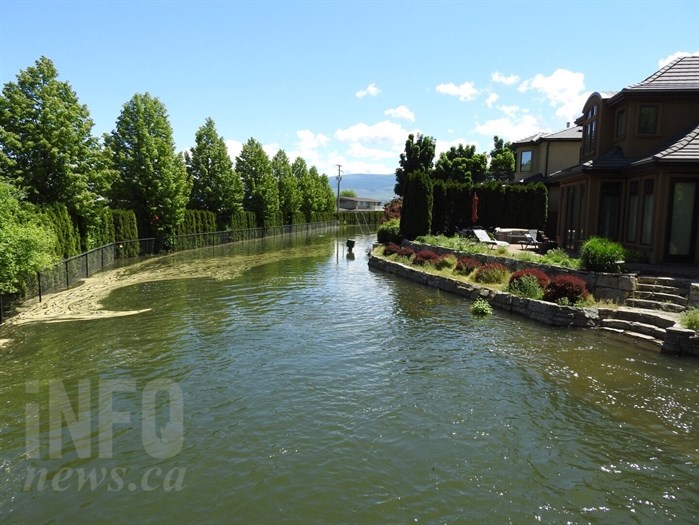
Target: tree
[[46, 144], [416, 216], [418, 155], [348, 193], [26, 246], [461, 164], [261, 193], [289, 192], [502, 160], [152, 179], [216, 186], [328, 202]]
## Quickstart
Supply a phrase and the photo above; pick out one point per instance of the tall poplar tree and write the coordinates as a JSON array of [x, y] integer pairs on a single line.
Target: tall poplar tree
[[216, 186], [289, 192], [261, 193], [152, 179], [46, 144]]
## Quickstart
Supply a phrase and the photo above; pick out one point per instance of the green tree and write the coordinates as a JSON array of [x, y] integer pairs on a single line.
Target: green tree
[[289, 192], [216, 186], [461, 164], [502, 160], [152, 179], [46, 144], [25, 245], [328, 200], [418, 155], [416, 216], [261, 192], [348, 193]]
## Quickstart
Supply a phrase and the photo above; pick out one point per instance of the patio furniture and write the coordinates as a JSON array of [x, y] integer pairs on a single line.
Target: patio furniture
[[529, 242], [483, 237]]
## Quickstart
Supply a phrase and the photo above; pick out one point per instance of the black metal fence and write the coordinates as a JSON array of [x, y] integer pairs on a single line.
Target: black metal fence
[[71, 271]]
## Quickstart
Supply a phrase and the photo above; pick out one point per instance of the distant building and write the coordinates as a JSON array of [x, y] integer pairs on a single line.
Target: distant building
[[637, 180], [360, 204]]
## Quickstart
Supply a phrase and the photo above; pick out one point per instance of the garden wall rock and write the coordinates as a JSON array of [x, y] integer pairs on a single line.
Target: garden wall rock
[[693, 299], [681, 341], [609, 286]]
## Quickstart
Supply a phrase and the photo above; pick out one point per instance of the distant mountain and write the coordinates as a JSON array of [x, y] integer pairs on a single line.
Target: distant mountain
[[366, 185]]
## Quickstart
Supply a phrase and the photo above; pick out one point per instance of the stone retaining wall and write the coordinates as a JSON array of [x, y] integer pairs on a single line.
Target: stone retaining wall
[[548, 313], [693, 301], [680, 341], [609, 286]]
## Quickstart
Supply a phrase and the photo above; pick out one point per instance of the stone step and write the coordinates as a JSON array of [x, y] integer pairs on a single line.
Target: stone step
[[664, 281], [655, 305], [641, 340], [645, 317], [631, 326], [658, 288], [660, 297]]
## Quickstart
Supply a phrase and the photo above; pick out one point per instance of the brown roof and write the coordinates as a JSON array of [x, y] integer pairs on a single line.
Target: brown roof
[[684, 150], [573, 133], [681, 74]]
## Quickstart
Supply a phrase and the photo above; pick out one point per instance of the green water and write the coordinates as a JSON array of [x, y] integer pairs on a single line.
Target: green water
[[315, 390]]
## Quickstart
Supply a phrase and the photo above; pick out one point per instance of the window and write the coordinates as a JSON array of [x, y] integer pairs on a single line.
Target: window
[[647, 212], [648, 120], [632, 226], [620, 129], [525, 162], [610, 204], [590, 131]]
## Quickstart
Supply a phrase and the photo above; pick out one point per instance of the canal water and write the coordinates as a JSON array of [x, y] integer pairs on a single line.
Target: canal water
[[293, 384]]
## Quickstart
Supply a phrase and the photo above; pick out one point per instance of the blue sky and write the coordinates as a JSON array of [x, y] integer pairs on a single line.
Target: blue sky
[[345, 82]]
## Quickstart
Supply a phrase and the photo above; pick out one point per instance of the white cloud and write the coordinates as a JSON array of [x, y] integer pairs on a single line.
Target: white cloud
[[371, 91], [310, 140], [564, 90], [445, 145], [502, 79], [234, 148], [492, 99], [465, 91], [381, 133], [364, 152], [510, 111], [665, 61], [511, 129], [401, 112]]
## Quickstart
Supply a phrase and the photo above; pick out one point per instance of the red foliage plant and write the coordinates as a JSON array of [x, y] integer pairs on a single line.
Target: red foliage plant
[[466, 265], [570, 287], [406, 251], [426, 257], [541, 277], [391, 248]]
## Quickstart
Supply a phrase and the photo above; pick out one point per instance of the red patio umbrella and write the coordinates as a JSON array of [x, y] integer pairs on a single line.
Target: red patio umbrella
[[474, 208]]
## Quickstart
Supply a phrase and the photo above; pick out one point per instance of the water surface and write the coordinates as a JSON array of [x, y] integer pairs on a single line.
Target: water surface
[[316, 390]]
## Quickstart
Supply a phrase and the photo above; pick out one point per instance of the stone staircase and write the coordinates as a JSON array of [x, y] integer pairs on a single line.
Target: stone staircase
[[665, 294], [646, 327]]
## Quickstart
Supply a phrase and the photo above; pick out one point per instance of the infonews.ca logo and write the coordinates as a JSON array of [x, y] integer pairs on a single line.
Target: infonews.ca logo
[[157, 408]]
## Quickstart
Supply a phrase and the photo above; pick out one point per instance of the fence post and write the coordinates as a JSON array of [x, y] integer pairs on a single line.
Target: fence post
[[67, 276], [87, 265], [38, 280]]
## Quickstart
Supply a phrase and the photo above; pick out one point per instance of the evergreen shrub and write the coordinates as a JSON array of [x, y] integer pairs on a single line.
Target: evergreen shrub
[[389, 231], [602, 255], [526, 286]]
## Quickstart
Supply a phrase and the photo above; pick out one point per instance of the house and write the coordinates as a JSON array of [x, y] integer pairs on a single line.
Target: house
[[359, 204], [540, 155], [637, 179]]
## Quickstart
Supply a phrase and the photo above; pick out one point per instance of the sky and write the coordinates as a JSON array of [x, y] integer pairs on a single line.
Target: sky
[[340, 82]]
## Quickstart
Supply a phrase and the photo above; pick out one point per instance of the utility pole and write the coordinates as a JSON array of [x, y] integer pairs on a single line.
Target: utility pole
[[338, 177]]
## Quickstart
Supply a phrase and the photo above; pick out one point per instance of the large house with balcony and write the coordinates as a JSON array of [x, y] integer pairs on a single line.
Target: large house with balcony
[[542, 154], [637, 180]]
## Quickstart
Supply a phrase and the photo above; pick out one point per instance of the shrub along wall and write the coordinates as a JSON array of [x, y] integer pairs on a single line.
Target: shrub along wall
[[56, 216], [125, 229], [610, 286]]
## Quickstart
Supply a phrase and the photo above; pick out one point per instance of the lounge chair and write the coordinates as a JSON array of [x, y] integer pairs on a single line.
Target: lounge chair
[[529, 241], [483, 237]]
